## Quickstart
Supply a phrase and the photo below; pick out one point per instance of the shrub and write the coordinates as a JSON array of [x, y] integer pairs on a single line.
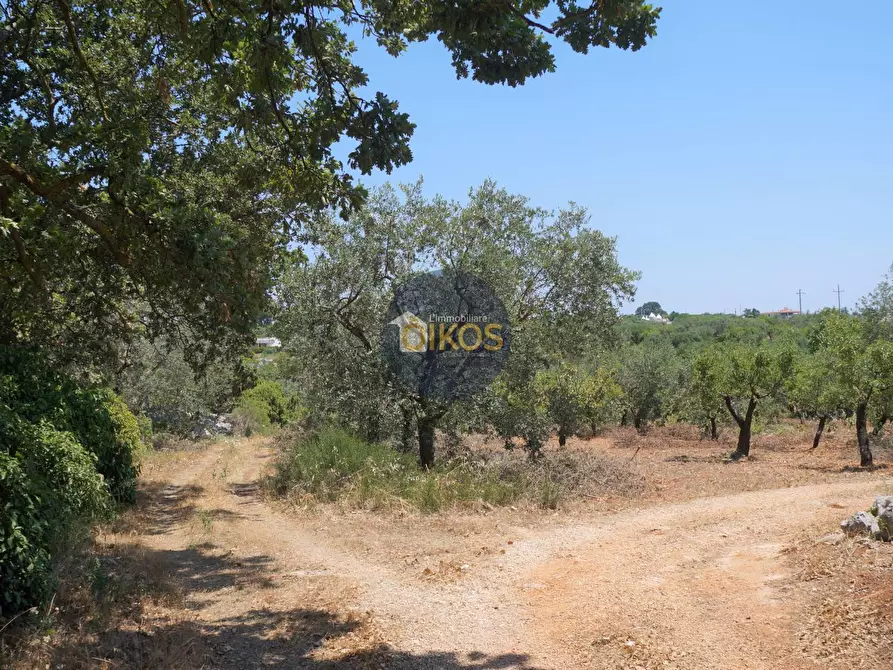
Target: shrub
[[333, 466], [66, 453], [49, 488], [105, 425], [265, 405], [99, 419], [251, 415]]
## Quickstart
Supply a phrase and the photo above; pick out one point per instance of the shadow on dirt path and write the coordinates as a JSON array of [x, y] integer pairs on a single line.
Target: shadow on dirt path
[[695, 584], [256, 637]]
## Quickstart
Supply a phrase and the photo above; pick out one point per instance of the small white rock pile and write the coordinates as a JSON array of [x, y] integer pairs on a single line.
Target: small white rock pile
[[877, 522]]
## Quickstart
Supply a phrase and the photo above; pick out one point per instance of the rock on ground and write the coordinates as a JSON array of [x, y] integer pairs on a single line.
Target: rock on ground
[[861, 523], [883, 511]]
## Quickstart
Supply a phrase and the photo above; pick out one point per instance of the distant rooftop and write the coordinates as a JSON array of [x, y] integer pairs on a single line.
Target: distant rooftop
[[784, 311]]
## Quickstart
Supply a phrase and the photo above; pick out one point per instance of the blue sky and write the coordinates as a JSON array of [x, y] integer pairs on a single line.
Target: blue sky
[[745, 153]]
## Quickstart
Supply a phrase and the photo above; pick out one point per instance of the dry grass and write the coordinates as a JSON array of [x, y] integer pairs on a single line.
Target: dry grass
[[333, 467], [678, 465], [848, 602], [107, 592]]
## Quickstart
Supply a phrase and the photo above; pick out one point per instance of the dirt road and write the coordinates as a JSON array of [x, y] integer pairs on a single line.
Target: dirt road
[[699, 584]]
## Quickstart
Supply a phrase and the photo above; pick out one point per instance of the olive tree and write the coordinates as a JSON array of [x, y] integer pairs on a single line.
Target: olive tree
[[648, 373], [575, 399], [744, 376], [814, 393], [558, 279], [862, 368], [876, 310], [704, 402]]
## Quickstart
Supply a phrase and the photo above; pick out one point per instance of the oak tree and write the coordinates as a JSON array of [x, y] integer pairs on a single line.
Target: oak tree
[[154, 157]]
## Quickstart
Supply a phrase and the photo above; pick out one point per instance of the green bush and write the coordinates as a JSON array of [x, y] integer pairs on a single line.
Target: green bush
[[66, 454], [252, 414], [265, 405], [99, 419], [49, 488]]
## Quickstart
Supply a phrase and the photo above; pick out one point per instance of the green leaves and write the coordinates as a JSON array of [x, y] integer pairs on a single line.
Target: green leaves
[[155, 159], [649, 375], [575, 399], [559, 280], [66, 456], [862, 367]]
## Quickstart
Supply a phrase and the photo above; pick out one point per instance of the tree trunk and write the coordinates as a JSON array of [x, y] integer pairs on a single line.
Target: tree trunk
[[426, 426], [562, 438], [745, 425], [743, 448], [640, 424], [865, 458], [714, 433], [818, 431], [373, 428]]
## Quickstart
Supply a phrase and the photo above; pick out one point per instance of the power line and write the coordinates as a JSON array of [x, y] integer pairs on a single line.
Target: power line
[[838, 292]]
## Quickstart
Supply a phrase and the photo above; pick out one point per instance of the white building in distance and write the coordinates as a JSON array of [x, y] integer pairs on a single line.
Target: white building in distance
[[268, 342]]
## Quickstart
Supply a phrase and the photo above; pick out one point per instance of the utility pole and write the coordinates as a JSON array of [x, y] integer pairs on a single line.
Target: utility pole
[[800, 295], [838, 292]]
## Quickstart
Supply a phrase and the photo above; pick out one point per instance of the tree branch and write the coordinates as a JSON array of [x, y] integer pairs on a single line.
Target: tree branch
[[728, 401], [530, 22], [25, 259], [58, 198], [354, 330], [73, 38]]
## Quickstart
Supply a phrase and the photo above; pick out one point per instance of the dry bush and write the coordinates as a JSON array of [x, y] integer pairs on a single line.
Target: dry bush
[[681, 431], [558, 478], [173, 442]]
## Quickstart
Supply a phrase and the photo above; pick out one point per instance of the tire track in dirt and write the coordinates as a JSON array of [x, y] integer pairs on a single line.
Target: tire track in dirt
[[698, 584], [701, 584], [469, 624]]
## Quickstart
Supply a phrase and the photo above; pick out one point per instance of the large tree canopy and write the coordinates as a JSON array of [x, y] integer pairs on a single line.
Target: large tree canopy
[[153, 156], [559, 280]]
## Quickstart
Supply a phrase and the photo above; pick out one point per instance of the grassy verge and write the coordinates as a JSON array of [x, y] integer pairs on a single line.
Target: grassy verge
[[332, 466]]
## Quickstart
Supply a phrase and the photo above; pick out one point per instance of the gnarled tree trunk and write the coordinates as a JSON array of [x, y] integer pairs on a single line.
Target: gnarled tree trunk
[[866, 460], [745, 425], [714, 433], [818, 431], [406, 432]]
